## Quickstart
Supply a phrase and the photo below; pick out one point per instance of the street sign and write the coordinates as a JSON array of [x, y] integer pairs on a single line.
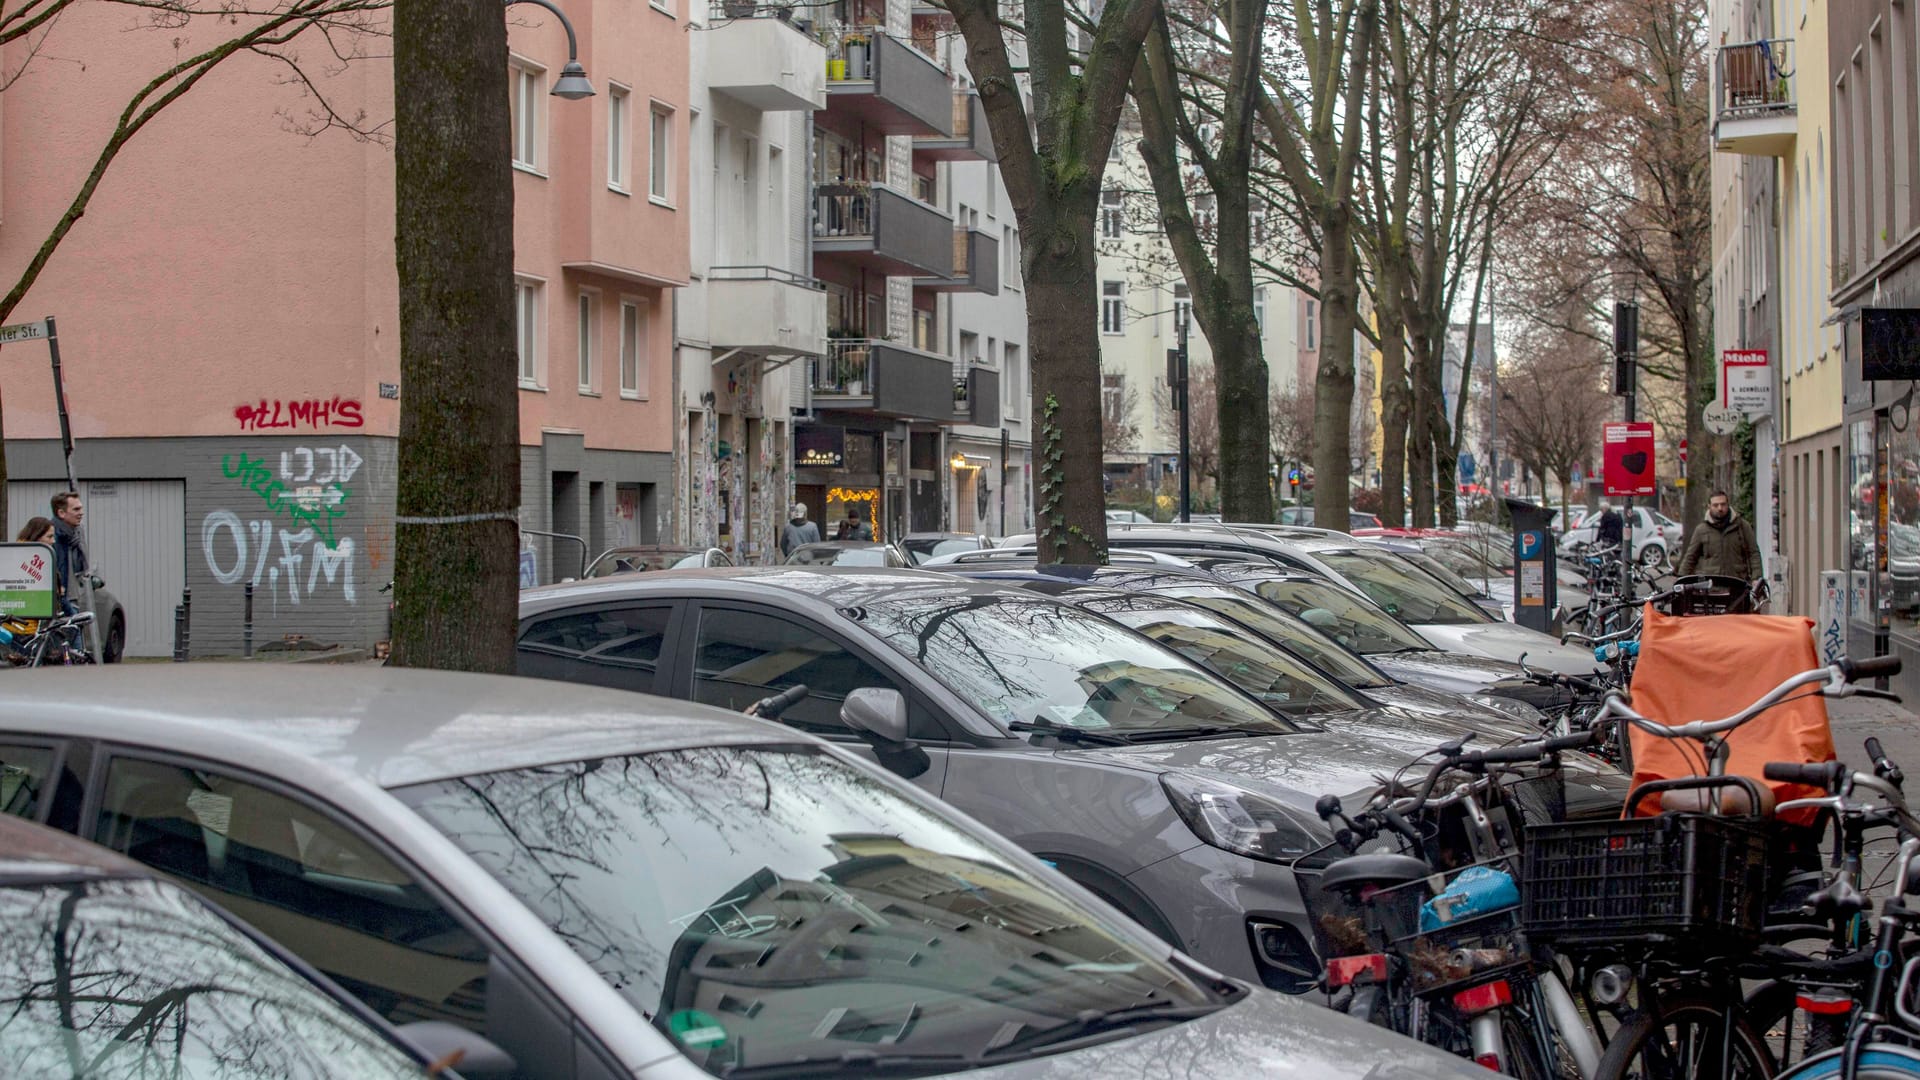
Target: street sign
[[1719, 419], [26, 331], [26, 581], [1627, 458], [1683, 455], [1746, 381]]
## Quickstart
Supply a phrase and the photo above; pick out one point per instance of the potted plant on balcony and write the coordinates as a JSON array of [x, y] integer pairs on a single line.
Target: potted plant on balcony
[[836, 60], [739, 9]]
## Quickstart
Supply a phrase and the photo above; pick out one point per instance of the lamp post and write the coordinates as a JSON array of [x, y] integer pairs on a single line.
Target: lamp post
[[572, 83]]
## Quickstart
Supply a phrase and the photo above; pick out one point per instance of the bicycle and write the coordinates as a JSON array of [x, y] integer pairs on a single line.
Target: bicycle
[[1447, 966], [1663, 913], [59, 640]]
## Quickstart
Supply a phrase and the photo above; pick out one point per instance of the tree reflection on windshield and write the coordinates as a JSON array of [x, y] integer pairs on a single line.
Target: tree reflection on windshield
[[1352, 620], [1022, 660], [765, 904]]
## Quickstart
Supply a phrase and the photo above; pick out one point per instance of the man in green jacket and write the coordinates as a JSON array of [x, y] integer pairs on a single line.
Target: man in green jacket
[[1723, 544]]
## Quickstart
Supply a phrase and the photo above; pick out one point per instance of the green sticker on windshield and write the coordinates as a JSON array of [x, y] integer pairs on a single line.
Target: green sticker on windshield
[[697, 1029]]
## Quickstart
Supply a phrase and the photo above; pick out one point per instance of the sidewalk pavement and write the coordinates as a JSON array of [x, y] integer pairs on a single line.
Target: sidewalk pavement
[[1896, 726]]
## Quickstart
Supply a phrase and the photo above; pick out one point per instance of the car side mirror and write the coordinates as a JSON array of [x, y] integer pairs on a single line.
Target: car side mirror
[[878, 711], [471, 1054]]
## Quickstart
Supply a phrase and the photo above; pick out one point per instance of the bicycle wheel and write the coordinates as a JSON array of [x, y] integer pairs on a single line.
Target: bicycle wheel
[[1773, 1011], [1878, 1061], [1684, 1043]]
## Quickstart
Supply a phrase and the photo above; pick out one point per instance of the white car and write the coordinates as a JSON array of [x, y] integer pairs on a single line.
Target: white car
[[1655, 538], [603, 884]]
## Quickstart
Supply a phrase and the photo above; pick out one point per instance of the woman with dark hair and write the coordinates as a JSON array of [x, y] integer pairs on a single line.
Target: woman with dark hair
[[37, 530]]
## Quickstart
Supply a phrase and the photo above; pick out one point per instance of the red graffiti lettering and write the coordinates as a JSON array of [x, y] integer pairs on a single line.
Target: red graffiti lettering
[[265, 414]]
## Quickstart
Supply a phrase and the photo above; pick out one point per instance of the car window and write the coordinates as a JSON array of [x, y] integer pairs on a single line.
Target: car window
[[304, 880], [611, 646], [743, 655], [1401, 590], [1349, 619], [773, 905], [132, 978], [1291, 632], [23, 779]]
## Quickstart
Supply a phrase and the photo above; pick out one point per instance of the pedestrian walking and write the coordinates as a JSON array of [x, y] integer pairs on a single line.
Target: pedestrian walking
[[1610, 529], [856, 527], [798, 530], [69, 558], [1723, 544]]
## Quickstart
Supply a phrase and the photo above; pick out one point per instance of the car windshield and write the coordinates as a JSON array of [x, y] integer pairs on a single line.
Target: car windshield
[[626, 562], [1400, 590], [769, 904], [1441, 572], [920, 549], [1472, 559], [1349, 619], [1295, 634], [1034, 661], [135, 977]]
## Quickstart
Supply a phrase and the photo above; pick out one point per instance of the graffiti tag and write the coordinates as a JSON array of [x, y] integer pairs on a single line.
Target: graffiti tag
[[272, 413], [233, 547], [314, 505]]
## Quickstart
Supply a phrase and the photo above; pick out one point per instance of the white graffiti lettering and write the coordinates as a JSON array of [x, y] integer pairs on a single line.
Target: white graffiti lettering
[[227, 557], [321, 466]]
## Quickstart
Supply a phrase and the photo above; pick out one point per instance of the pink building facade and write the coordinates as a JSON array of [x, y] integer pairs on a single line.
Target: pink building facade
[[227, 310]]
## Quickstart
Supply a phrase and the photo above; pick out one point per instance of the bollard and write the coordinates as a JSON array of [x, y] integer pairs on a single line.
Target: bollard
[[186, 624], [179, 634], [246, 625]]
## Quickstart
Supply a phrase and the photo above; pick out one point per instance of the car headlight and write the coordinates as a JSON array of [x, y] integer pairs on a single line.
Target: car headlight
[[1512, 707], [1241, 822]]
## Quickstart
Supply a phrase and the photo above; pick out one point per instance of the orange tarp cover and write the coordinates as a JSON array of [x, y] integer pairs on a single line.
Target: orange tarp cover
[[1707, 667]]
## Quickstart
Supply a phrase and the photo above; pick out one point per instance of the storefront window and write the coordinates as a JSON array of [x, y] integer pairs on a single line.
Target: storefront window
[[1900, 574], [1864, 508]]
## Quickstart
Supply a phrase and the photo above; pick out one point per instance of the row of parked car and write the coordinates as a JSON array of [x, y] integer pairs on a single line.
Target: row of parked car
[[1022, 822]]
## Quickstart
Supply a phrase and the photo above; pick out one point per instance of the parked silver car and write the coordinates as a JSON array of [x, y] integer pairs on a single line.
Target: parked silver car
[[606, 885]]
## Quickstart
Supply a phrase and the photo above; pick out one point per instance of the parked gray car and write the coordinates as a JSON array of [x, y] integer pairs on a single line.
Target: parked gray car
[[1154, 783], [607, 885]]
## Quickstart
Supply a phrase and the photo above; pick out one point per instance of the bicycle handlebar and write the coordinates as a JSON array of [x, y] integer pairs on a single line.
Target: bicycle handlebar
[[1838, 678]]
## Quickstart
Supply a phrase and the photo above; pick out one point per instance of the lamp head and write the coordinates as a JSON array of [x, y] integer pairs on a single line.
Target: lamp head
[[573, 84]]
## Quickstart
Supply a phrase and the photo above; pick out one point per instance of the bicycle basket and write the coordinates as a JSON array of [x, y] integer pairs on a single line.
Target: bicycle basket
[[1410, 921], [1711, 595], [1694, 880]]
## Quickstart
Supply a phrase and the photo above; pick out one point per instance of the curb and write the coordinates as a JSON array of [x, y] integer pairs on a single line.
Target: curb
[[331, 656]]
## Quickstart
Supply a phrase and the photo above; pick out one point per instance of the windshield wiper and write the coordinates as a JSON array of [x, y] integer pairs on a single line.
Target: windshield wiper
[[854, 1062], [1198, 731], [1042, 726], [1093, 1023]]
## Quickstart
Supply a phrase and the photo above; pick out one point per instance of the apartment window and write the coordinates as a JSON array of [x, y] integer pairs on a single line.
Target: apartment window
[[1313, 325], [1010, 253], [587, 337], [969, 348], [1182, 309], [1013, 378], [993, 198], [526, 309], [529, 113], [617, 137], [1260, 308], [660, 154], [1112, 311], [633, 345], [1112, 213]]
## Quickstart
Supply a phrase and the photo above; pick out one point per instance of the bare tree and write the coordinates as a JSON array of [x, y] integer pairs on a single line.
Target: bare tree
[[344, 30], [455, 582], [1052, 158], [1553, 403], [1203, 427], [1290, 418], [1119, 412]]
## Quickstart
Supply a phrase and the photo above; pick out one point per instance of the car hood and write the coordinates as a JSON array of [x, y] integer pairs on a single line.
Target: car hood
[[1264, 1035], [1506, 641], [1445, 707], [1458, 673]]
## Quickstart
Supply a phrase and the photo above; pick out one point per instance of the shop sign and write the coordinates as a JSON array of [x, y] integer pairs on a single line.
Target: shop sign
[[817, 446], [1746, 381]]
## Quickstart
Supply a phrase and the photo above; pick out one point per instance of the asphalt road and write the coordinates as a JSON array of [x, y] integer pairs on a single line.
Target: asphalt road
[[1898, 729]]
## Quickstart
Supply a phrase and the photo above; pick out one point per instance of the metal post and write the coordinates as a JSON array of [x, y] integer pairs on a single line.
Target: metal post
[[246, 625], [1627, 340], [186, 624], [179, 634], [1186, 443], [73, 483], [1006, 462]]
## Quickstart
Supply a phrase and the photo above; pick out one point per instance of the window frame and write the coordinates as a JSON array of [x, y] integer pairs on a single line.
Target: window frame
[[660, 159], [619, 130], [587, 345], [642, 310], [1119, 300], [1113, 213], [663, 665], [523, 70], [56, 769], [531, 373]]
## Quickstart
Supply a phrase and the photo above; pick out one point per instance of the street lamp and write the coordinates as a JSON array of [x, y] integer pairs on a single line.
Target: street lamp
[[572, 83]]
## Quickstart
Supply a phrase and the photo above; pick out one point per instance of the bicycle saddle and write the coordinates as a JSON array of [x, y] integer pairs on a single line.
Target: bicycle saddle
[[1733, 800], [1377, 869]]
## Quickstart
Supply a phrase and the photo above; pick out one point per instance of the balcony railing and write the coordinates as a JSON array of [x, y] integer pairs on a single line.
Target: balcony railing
[[762, 273], [962, 254], [844, 210], [784, 10], [1756, 77], [846, 370]]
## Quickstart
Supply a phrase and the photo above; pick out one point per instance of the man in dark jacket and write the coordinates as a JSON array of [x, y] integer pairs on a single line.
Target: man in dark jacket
[[69, 558], [1723, 544], [1610, 529]]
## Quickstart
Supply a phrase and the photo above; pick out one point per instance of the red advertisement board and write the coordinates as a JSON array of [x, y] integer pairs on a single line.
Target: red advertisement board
[[1627, 459]]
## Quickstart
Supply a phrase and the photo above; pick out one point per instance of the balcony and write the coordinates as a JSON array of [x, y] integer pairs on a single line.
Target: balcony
[[976, 266], [882, 377], [880, 230], [758, 56], [976, 397], [970, 141], [889, 87], [1754, 107], [765, 309]]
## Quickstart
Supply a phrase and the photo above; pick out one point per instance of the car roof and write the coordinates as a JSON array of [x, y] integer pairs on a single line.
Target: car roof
[[841, 586], [842, 545], [390, 726], [30, 853]]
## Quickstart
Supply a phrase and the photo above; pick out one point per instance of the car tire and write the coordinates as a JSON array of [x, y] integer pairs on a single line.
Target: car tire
[[1652, 554], [115, 645]]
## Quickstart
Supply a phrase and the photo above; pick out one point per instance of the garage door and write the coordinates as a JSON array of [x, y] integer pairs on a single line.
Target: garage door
[[135, 533]]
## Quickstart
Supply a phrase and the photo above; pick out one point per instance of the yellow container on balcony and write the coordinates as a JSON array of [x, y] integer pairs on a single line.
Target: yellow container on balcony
[[836, 70]]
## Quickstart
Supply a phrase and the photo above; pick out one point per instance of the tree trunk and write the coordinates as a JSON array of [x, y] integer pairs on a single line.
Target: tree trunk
[[1446, 472], [1420, 431], [1396, 406], [455, 575], [1240, 396], [1333, 384], [1062, 309]]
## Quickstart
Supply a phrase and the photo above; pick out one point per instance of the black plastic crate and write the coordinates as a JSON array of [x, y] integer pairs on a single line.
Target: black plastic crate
[[1690, 879], [1388, 921]]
